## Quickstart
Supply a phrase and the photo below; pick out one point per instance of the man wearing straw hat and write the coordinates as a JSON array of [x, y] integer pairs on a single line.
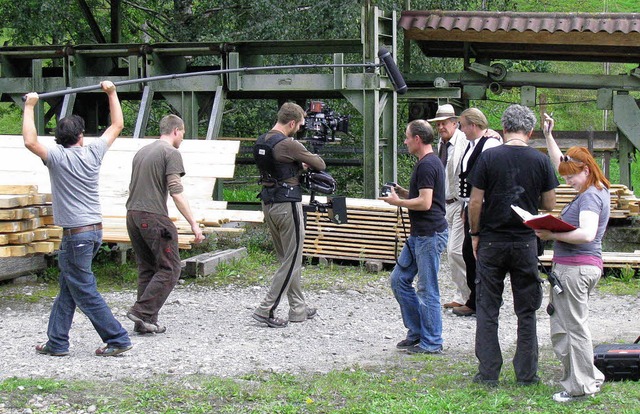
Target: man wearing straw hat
[[451, 148]]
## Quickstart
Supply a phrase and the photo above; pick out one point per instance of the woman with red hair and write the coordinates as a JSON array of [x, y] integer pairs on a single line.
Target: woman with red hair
[[577, 263]]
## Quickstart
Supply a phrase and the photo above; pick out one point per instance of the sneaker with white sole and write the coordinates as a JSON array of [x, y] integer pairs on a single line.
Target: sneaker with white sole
[[563, 397]]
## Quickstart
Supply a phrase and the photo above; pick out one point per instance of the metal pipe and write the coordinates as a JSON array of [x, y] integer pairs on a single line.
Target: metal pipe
[[204, 73]]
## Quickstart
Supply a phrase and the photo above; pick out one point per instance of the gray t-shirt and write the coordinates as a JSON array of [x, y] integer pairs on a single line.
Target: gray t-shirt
[[74, 173], [597, 201], [152, 164]]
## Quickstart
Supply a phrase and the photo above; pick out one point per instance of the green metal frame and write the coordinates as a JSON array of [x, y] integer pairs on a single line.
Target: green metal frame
[[370, 91]]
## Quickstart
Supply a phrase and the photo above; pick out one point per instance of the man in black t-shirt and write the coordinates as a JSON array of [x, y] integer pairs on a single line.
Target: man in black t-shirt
[[516, 174], [420, 256]]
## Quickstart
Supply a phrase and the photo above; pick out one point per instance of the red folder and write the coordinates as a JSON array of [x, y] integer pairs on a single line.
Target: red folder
[[542, 221]]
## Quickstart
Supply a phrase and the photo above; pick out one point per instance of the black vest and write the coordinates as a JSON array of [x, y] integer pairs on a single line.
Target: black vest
[[465, 187], [273, 173]]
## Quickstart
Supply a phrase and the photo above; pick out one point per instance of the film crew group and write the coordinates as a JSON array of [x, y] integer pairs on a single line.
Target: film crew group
[[420, 256], [281, 160]]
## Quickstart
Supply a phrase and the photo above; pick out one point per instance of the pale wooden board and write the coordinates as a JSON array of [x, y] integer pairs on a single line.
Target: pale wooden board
[[19, 213], [13, 200], [22, 237], [21, 225], [610, 259], [54, 232], [13, 251], [18, 189], [204, 161]]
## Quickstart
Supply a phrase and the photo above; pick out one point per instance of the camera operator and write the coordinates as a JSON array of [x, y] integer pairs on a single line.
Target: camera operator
[[281, 159], [420, 256]]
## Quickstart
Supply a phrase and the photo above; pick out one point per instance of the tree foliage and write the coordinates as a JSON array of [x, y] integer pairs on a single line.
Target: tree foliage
[[36, 22], [44, 22]]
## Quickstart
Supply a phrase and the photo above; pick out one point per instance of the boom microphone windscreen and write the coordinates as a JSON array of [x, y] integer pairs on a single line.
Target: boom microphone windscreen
[[392, 70]]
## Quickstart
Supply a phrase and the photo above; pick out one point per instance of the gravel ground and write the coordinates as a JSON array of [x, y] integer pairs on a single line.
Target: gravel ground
[[211, 332]]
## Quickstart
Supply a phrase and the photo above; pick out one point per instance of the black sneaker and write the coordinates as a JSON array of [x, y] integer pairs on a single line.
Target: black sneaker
[[534, 381], [407, 343], [479, 379], [417, 349]]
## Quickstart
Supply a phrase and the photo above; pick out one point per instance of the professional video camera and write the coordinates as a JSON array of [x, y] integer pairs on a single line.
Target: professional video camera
[[322, 123], [323, 183]]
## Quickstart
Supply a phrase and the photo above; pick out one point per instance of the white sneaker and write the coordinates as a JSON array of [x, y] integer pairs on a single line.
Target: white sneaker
[[563, 397]]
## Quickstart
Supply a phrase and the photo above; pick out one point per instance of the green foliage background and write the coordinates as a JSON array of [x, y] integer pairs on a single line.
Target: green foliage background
[[36, 22]]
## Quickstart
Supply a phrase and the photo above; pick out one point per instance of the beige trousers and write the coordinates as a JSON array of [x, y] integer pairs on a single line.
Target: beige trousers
[[454, 252], [570, 334]]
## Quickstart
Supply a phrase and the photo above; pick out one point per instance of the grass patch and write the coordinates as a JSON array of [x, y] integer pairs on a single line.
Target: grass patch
[[622, 281], [424, 384], [418, 384]]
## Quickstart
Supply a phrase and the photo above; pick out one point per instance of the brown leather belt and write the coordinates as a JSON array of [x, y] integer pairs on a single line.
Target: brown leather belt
[[81, 229], [451, 201]]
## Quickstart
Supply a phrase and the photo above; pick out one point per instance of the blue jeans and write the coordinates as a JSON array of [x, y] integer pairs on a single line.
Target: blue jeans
[[495, 260], [78, 288], [420, 307]]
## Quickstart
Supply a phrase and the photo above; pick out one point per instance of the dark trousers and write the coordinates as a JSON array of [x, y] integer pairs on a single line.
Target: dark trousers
[[519, 259], [469, 262], [154, 238]]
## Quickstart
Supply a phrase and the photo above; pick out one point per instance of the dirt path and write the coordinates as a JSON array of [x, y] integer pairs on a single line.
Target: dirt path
[[210, 332]]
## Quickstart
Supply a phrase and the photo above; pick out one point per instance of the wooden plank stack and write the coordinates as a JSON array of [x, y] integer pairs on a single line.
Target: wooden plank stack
[[618, 260], [369, 234], [624, 203], [26, 218], [373, 228]]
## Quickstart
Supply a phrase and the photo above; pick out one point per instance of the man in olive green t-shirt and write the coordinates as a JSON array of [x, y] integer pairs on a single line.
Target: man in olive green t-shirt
[[156, 173]]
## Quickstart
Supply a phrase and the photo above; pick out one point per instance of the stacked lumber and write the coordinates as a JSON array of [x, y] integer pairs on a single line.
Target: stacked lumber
[[618, 260], [373, 231], [374, 226], [624, 203], [114, 230], [26, 218]]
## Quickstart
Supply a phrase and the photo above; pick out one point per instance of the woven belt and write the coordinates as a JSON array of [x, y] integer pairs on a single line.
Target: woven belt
[[451, 201], [81, 229]]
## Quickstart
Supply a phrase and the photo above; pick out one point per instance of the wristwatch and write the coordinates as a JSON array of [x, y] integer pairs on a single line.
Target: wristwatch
[[476, 234]]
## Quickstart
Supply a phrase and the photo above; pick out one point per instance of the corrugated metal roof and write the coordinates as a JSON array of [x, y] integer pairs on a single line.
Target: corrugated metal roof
[[611, 37], [521, 22]]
